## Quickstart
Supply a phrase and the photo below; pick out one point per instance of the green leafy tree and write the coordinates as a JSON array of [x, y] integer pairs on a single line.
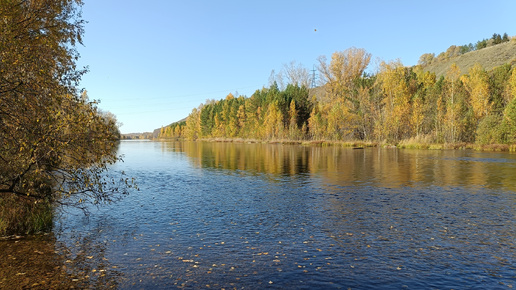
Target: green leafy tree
[[207, 119], [498, 87], [481, 44], [505, 37], [490, 130], [509, 121], [497, 38]]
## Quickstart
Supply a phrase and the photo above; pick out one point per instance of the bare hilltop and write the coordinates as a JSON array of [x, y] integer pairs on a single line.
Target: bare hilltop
[[489, 57]]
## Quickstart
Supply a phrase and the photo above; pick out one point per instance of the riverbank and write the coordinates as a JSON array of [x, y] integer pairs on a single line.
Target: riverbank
[[404, 144], [415, 143]]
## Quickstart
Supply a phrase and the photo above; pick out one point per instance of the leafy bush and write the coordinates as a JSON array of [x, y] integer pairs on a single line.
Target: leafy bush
[[489, 130]]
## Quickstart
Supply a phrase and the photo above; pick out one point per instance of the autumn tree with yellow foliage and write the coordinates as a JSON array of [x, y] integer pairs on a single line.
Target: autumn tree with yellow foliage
[[340, 78], [476, 83], [55, 145], [397, 96]]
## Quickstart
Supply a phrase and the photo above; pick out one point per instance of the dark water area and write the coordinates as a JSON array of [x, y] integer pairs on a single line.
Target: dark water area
[[225, 215]]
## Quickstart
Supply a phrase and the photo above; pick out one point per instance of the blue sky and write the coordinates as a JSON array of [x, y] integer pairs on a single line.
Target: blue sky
[[152, 62]]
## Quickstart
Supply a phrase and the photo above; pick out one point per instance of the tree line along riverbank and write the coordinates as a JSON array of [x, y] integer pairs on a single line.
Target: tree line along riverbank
[[409, 107]]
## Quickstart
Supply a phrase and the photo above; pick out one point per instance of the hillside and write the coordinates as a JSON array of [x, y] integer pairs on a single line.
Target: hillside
[[489, 58]]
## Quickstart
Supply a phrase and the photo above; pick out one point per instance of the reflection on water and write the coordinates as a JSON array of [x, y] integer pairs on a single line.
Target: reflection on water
[[373, 166], [224, 215]]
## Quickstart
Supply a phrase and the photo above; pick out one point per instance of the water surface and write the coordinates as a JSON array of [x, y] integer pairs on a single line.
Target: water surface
[[225, 215]]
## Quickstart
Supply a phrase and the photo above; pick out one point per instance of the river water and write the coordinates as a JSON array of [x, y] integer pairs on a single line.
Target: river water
[[227, 215]]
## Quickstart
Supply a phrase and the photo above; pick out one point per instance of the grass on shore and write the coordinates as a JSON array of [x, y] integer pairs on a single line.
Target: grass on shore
[[424, 142], [20, 215], [353, 144]]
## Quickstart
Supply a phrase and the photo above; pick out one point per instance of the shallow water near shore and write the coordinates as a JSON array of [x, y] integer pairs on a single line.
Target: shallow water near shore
[[225, 215]]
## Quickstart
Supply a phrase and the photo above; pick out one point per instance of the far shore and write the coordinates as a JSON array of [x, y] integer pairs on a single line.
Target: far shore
[[404, 144]]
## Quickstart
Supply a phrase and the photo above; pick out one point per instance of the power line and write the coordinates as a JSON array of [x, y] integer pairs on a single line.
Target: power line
[[314, 76]]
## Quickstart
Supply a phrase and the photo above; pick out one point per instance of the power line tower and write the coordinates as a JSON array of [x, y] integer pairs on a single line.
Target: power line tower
[[314, 76]]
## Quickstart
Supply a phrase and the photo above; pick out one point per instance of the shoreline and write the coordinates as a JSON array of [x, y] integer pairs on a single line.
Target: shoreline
[[404, 144]]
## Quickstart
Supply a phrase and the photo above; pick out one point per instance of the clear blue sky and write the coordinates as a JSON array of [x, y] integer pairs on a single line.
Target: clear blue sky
[[152, 62]]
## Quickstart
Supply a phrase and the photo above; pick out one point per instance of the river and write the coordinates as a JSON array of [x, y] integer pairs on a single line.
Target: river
[[233, 215]]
